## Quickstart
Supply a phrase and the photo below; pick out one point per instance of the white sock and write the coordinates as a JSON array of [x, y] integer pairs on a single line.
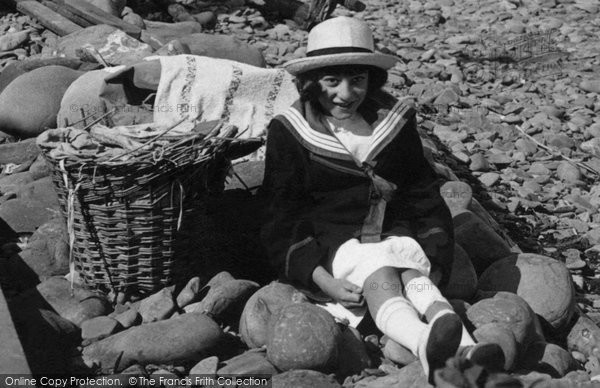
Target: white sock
[[422, 293], [397, 319], [466, 339]]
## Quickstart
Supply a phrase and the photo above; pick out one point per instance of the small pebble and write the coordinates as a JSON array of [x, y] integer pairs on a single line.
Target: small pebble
[[573, 259], [479, 163], [568, 172], [489, 178]]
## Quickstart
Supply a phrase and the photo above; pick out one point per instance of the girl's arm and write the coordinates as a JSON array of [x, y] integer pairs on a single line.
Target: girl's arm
[[288, 235], [342, 291]]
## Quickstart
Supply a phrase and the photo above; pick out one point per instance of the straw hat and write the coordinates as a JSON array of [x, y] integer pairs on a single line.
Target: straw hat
[[340, 41]]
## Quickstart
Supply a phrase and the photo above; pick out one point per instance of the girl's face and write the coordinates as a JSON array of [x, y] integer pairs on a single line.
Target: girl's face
[[342, 94]]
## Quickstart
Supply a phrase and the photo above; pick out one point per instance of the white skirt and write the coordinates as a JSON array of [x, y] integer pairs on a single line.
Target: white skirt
[[355, 262]]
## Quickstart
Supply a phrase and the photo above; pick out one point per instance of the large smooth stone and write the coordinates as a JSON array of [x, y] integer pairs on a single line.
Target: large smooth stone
[[25, 216], [584, 337], [47, 252], [304, 379], [544, 283], [483, 245], [463, 279], [11, 183], [189, 293], [510, 311], [184, 338], [15, 69], [224, 47], [99, 327], [353, 357], [207, 366], [262, 305], [52, 232], [502, 336], [76, 305], [30, 103], [304, 336], [549, 358], [158, 306], [250, 362], [38, 259], [225, 302], [218, 280], [397, 353], [458, 373], [128, 318], [42, 191], [114, 45], [457, 195], [134, 19], [18, 152], [410, 376], [158, 34]]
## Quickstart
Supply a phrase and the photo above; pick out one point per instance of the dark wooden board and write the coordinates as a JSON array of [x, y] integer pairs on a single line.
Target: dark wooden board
[[95, 15], [53, 21], [66, 13]]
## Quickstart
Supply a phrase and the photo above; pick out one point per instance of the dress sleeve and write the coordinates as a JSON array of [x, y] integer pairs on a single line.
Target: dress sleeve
[[423, 207], [288, 234]]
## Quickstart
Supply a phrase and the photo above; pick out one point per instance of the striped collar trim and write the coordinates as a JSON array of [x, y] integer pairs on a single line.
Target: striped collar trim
[[317, 141], [310, 136]]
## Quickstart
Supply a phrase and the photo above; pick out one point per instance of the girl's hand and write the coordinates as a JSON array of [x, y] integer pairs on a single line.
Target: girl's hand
[[340, 290]]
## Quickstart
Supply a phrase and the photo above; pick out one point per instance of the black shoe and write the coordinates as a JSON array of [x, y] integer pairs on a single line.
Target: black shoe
[[440, 343], [488, 355]]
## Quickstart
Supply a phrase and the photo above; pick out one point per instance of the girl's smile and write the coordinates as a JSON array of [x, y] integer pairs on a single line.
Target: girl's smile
[[342, 94]]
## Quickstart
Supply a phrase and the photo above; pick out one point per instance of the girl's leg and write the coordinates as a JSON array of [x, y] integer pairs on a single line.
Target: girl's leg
[[395, 316], [428, 301], [424, 295]]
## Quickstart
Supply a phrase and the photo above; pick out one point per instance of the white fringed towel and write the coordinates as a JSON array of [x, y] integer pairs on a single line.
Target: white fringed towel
[[204, 89]]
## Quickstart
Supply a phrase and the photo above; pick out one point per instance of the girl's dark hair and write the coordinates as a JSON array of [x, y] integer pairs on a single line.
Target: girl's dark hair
[[309, 88]]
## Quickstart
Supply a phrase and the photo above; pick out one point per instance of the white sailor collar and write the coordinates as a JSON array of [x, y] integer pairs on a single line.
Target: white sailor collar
[[316, 138]]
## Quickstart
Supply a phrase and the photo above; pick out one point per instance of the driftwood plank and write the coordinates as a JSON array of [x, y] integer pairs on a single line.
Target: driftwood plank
[[305, 14], [95, 15], [66, 13], [53, 21], [13, 3]]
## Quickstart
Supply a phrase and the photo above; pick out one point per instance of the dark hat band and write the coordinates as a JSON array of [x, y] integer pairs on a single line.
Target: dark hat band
[[337, 50]]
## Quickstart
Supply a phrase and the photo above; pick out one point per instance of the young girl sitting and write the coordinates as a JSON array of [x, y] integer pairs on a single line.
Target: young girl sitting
[[356, 217]]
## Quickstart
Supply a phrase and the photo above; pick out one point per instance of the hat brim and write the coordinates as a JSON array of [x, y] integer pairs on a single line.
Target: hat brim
[[301, 65]]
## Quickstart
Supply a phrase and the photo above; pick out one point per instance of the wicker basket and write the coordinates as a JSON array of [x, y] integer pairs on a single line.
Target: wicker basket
[[123, 218]]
